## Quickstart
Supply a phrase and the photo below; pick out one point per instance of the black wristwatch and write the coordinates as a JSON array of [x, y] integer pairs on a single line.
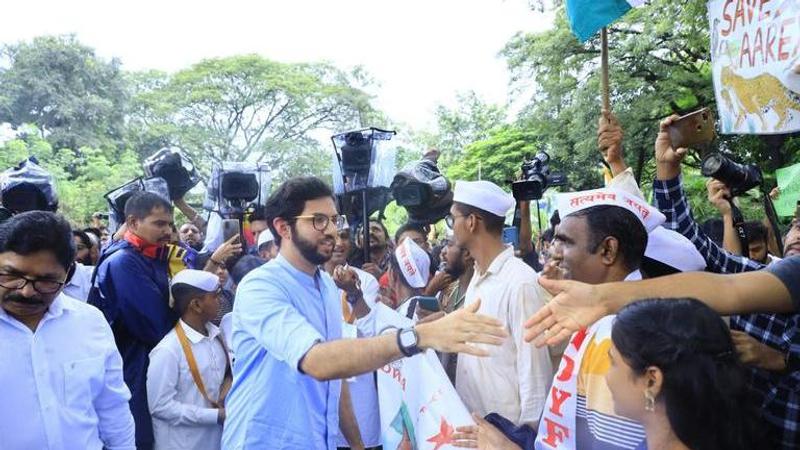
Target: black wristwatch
[[408, 341]]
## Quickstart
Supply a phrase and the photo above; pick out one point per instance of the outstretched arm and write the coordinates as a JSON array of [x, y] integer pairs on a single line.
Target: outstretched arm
[[578, 305]]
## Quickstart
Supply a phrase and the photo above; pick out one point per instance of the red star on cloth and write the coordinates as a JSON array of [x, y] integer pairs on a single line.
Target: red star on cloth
[[445, 435]]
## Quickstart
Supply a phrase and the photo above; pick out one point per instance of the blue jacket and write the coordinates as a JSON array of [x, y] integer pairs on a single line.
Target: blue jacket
[[132, 291]]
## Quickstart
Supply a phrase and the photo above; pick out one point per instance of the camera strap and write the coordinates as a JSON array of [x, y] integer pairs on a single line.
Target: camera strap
[[738, 225]]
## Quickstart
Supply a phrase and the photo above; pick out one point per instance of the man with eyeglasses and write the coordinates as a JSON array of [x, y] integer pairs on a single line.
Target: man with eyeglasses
[[287, 335], [61, 377], [514, 380]]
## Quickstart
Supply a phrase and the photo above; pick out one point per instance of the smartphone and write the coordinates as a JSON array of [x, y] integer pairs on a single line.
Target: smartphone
[[695, 129], [510, 236], [427, 303], [230, 228]]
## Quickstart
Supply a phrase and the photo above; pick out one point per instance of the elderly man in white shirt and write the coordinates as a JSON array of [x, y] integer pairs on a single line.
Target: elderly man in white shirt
[[513, 381], [189, 371], [61, 378]]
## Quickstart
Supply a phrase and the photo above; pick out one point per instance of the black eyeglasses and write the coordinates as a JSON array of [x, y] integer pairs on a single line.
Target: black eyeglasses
[[321, 221], [450, 220], [42, 286]]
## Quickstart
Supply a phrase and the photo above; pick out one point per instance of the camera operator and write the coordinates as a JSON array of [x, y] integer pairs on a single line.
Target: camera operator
[[131, 287], [770, 339]]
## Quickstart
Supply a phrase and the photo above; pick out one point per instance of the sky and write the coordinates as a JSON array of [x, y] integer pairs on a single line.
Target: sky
[[420, 52]]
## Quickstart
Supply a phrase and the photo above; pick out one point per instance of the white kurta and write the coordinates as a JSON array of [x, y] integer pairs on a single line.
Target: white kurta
[[182, 418], [514, 379]]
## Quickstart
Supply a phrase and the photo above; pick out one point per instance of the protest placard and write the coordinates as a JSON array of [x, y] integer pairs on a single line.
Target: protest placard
[[754, 54]]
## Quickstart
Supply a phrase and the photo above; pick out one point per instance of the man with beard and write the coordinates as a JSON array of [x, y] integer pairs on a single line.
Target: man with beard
[[131, 287], [191, 235], [61, 377], [380, 253], [287, 330], [459, 266]]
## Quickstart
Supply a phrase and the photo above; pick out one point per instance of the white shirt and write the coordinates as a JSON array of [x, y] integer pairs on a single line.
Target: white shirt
[[363, 391], [62, 386], [514, 379], [80, 283], [182, 418]]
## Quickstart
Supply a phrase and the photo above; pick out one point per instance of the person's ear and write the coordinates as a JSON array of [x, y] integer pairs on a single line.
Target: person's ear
[[132, 222], [609, 251], [283, 228], [654, 380]]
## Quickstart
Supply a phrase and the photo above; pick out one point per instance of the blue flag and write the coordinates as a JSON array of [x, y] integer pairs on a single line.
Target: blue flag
[[587, 17]]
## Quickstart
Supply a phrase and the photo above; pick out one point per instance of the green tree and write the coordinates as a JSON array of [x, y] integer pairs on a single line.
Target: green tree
[[248, 108], [75, 98], [471, 120]]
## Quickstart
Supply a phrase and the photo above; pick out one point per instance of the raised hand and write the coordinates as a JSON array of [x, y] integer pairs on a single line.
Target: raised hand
[[668, 159], [718, 195], [609, 140]]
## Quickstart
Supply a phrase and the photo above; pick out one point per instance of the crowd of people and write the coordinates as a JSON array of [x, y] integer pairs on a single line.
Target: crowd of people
[[624, 325]]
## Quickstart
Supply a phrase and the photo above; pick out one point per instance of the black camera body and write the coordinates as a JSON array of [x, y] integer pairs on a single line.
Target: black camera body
[[536, 178], [356, 152], [739, 178]]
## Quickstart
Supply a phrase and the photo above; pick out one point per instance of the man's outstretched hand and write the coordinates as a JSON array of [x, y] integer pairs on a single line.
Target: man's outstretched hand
[[575, 306], [457, 332]]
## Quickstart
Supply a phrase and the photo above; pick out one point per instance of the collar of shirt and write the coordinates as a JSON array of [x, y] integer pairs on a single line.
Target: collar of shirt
[[55, 310], [301, 277], [497, 264], [195, 336]]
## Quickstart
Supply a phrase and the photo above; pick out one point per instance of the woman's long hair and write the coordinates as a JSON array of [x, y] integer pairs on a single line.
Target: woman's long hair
[[708, 403]]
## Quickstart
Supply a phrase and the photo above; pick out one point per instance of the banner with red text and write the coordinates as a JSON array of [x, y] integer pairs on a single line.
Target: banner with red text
[[419, 407], [754, 55]]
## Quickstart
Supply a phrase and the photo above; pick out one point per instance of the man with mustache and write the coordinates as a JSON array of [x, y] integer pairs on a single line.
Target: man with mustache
[[131, 287], [61, 376], [287, 335]]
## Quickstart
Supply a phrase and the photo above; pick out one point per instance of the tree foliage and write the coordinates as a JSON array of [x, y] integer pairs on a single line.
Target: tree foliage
[[75, 98]]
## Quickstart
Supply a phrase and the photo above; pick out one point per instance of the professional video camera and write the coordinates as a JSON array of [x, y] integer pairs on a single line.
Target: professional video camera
[[423, 191], [236, 187], [739, 178], [27, 187], [117, 197], [175, 168], [536, 178], [363, 167]]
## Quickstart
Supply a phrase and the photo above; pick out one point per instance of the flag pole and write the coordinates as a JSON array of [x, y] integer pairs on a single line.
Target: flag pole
[[604, 69]]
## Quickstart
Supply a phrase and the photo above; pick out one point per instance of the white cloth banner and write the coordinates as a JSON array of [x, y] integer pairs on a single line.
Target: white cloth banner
[[420, 409], [754, 55]]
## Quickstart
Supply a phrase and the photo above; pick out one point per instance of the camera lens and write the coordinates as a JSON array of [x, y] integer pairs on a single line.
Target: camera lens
[[712, 164]]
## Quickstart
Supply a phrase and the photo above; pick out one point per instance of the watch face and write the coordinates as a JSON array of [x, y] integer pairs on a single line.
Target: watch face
[[407, 338]]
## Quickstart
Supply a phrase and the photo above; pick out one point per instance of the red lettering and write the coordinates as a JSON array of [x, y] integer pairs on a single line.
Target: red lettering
[[727, 17], [783, 56], [758, 46], [745, 50], [566, 373], [739, 13], [387, 370], [770, 44], [577, 340], [763, 14], [555, 433], [559, 397]]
